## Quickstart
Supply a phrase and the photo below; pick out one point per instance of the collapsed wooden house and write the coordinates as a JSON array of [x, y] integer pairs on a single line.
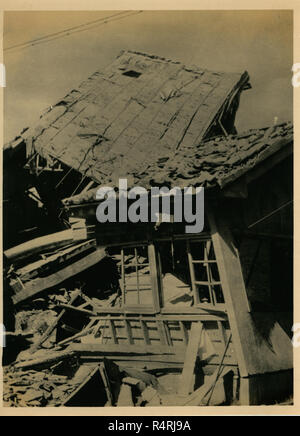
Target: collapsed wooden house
[[202, 302]]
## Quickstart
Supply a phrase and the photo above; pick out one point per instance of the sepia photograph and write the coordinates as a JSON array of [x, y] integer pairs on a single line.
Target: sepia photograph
[[147, 208]]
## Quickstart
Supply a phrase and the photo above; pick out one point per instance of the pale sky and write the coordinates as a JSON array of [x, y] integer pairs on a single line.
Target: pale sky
[[260, 42]]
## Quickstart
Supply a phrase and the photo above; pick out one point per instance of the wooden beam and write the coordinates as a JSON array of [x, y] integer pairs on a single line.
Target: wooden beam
[[187, 379], [76, 309], [42, 283], [260, 343], [232, 282], [48, 360], [45, 243], [124, 349], [52, 327], [154, 276], [106, 383], [145, 332], [164, 359], [199, 396], [125, 396]]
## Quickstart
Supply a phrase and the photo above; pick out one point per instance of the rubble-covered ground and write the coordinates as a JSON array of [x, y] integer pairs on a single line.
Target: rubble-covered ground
[[52, 383]]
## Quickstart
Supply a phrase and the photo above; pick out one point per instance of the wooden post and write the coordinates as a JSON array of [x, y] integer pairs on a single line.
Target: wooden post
[[192, 272], [155, 276], [260, 344], [232, 285], [187, 379]]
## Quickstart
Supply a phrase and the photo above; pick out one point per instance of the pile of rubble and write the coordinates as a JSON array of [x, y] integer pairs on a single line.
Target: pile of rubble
[[65, 350], [59, 378], [35, 388], [42, 366], [49, 371]]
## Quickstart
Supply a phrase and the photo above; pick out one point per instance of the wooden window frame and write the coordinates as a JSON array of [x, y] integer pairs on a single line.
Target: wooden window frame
[[153, 273], [198, 308]]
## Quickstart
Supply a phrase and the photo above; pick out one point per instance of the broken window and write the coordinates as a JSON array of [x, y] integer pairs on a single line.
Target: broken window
[[170, 274], [204, 273], [175, 275], [190, 274], [135, 276]]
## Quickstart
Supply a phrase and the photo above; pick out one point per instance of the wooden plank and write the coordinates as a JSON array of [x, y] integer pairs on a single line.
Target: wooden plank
[[208, 272], [77, 309], [192, 272], [184, 332], [155, 276], [137, 275], [125, 396], [52, 327], [103, 330], [187, 379], [232, 278], [164, 359], [106, 383], [205, 309], [168, 333], [129, 332], [162, 332], [51, 263], [165, 315], [113, 331], [46, 361], [219, 369], [123, 280], [145, 332], [222, 331], [127, 310], [203, 283], [45, 243], [38, 285], [125, 349], [84, 332], [197, 397]]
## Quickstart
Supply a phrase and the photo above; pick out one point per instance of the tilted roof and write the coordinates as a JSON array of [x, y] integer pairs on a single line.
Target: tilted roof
[[140, 112]]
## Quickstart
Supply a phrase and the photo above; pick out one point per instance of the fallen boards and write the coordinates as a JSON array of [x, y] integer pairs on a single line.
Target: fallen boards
[[39, 284]]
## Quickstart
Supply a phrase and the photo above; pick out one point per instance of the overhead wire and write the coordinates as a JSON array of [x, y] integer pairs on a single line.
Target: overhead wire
[[70, 31]]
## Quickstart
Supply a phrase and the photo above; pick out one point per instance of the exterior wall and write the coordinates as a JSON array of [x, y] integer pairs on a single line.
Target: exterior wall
[[266, 389]]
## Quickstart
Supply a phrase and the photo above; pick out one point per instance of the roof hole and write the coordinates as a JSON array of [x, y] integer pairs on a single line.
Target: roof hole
[[132, 73]]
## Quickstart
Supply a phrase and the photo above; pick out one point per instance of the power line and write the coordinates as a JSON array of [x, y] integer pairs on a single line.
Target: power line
[[61, 32], [70, 31]]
